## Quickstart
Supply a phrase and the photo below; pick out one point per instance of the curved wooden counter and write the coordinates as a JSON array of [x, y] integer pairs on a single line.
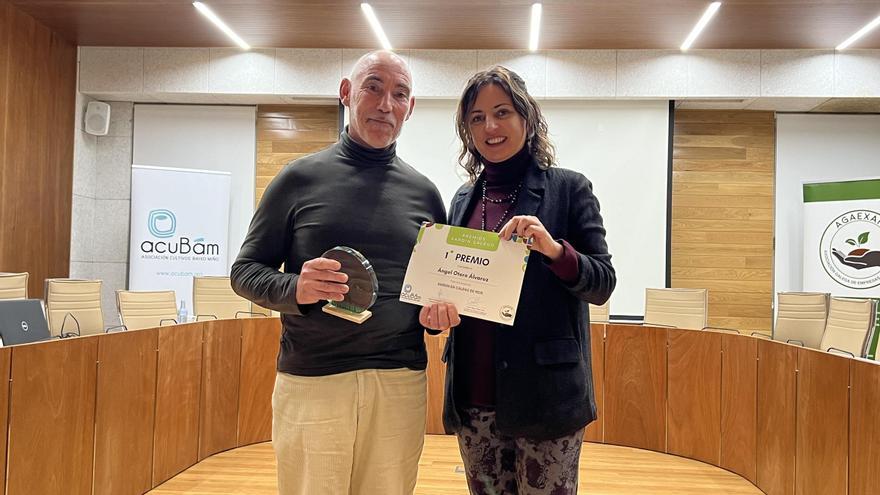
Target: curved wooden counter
[[123, 412], [790, 420]]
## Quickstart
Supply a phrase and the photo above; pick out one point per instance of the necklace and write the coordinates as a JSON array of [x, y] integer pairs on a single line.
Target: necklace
[[511, 198]]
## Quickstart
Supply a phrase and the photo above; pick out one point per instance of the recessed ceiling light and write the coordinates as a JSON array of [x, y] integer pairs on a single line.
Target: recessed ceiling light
[[374, 23], [535, 26], [707, 16], [205, 11], [861, 32]]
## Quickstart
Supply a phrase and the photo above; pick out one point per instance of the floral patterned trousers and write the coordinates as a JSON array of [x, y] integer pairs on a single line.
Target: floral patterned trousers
[[496, 464]]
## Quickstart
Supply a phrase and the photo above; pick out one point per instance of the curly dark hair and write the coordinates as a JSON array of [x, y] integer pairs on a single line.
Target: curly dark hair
[[537, 140]]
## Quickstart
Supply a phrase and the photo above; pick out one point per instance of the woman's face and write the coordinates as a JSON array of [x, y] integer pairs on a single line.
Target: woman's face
[[497, 130]]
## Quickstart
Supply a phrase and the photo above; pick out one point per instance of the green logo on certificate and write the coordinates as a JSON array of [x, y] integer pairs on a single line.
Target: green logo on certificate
[[472, 238]]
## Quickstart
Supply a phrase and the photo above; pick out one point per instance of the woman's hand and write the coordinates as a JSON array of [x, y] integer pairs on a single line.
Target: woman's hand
[[531, 227], [439, 316]]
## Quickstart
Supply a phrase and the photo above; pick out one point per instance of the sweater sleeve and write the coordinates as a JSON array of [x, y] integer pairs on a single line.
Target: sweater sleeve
[[255, 274]]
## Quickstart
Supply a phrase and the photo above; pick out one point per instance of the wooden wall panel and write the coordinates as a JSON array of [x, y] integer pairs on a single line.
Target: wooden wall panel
[[288, 132], [37, 98], [5, 361], [722, 213], [52, 417], [435, 344], [221, 364], [5, 45], [635, 386], [822, 423], [178, 387], [596, 430], [694, 395], [125, 412], [777, 401], [864, 436], [739, 394], [260, 342]]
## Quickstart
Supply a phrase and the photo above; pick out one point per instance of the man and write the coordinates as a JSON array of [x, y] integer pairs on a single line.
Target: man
[[349, 399]]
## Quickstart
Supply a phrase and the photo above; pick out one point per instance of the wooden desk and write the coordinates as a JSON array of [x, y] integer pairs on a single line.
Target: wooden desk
[[790, 420]]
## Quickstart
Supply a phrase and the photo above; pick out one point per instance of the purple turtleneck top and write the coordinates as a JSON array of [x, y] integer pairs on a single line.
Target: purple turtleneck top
[[475, 339]]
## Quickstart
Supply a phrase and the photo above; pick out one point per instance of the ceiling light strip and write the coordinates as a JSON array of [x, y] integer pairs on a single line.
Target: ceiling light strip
[[861, 32], [535, 30], [207, 12], [707, 16], [374, 23]]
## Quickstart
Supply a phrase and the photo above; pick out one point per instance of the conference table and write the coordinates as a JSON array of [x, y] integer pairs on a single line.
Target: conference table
[[121, 413]]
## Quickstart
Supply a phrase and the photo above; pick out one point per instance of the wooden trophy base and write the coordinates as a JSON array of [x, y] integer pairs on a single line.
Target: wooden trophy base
[[347, 315]]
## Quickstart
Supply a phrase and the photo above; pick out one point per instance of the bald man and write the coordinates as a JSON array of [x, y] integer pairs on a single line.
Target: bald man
[[349, 399]]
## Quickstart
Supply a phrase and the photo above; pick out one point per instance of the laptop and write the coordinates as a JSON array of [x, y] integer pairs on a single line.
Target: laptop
[[22, 321]]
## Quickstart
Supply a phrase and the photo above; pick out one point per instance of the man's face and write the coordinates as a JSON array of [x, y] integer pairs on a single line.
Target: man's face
[[379, 99]]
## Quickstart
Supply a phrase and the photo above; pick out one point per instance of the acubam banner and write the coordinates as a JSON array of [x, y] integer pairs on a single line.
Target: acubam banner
[[179, 228]]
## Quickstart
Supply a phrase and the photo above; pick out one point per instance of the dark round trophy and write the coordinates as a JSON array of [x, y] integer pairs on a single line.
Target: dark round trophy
[[363, 286]]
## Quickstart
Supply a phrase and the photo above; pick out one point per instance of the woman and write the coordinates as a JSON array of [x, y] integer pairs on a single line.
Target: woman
[[518, 398]]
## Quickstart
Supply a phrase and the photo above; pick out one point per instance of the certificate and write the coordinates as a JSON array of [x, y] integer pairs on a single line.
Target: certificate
[[473, 269]]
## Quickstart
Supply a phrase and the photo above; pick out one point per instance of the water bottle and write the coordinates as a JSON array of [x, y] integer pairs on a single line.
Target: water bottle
[[181, 313]]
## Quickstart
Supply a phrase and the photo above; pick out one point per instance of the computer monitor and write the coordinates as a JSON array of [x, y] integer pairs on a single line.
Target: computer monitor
[[22, 321]]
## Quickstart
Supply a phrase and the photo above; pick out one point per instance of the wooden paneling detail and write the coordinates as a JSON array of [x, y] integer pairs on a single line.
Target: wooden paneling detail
[[777, 401], [37, 98], [739, 391], [260, 342], [864, 436], [178, 388], [694, 395], [435, 344], [5, 360], [52, 417], [722, 213], [125, 412], [221, 363], [635, 386], [288, 132], [595, 431], [822, 423]]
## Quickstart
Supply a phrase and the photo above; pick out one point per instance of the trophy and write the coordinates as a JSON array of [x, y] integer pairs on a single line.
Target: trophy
[[363, 286]]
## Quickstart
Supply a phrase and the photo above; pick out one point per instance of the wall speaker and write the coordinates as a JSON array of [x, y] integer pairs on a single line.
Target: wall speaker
[[97, 118]]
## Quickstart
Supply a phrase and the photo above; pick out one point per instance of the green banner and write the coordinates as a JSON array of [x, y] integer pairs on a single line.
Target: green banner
[[872, 345], [842, 191]]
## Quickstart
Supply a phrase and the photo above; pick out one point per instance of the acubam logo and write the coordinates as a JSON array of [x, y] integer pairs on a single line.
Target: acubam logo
[[850, 249], [162, 224]]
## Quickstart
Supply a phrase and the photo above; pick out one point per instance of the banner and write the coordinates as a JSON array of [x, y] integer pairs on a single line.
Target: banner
[[842, 237], [179, 228]]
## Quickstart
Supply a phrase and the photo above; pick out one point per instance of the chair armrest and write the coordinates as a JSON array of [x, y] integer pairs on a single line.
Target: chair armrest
[[250, 313], [835, 350]]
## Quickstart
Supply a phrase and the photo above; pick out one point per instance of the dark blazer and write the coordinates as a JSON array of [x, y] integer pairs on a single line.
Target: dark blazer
[[544, 380]]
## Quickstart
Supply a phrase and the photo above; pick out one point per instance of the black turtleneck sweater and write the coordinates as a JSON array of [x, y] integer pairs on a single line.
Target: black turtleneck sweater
[[474, 338], [345, 195]]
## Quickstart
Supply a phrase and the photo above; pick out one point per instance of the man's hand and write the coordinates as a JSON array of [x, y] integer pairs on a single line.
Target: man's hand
[[320, 280], [439, 316], [531, 227]]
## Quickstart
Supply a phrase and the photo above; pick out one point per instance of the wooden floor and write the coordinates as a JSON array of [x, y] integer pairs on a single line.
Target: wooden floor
[[605, 469]]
